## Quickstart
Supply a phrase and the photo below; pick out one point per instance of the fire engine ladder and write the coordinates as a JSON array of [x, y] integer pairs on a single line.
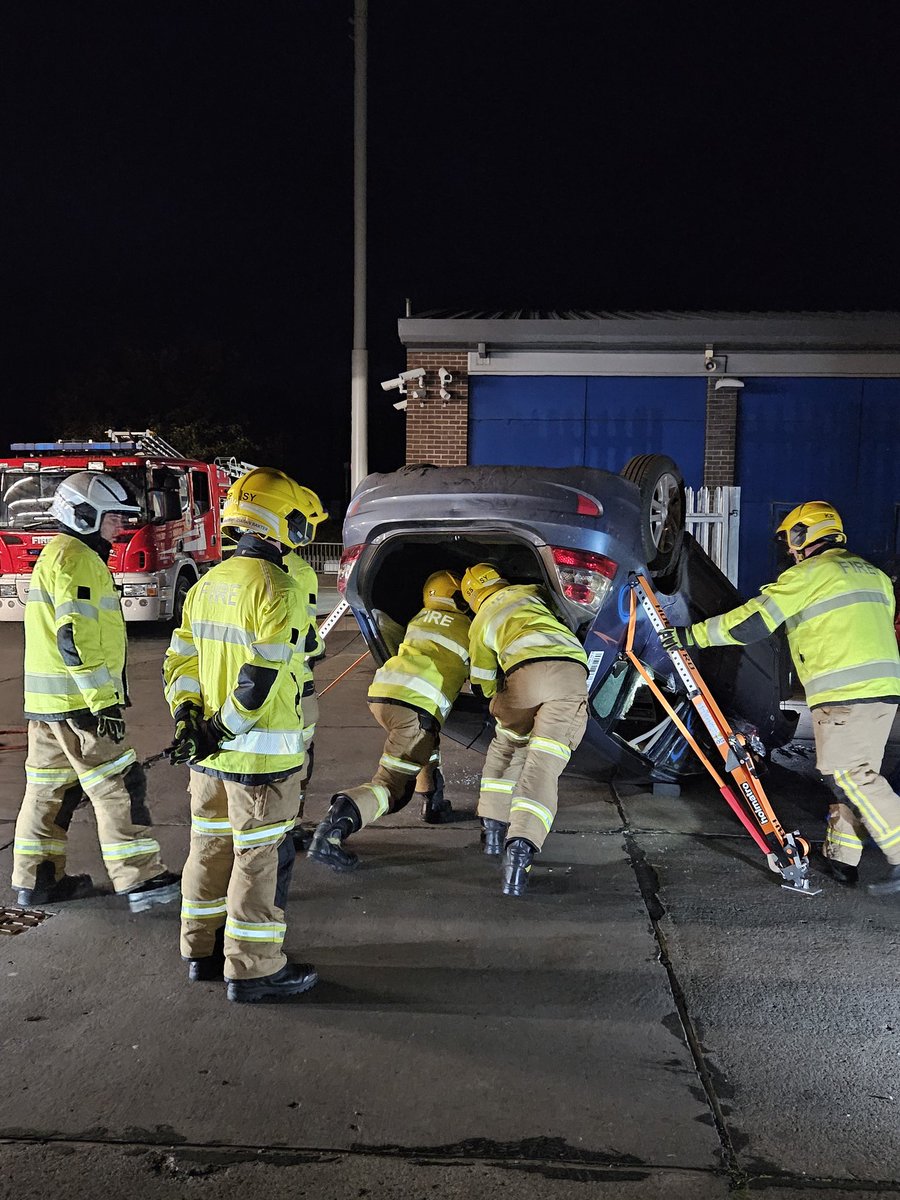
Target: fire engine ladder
[[234, 468], [787, 853], [145, 442]]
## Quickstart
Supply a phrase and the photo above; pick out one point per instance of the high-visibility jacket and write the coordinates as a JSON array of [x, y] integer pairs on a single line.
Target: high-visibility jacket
[[311, 645], [75, 638], [515, 626], [430, 666], [838, 612], [232, 656]]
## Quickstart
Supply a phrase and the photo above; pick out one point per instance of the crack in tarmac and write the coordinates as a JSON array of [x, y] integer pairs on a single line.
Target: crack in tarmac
[[649, 888], [574, 1167]]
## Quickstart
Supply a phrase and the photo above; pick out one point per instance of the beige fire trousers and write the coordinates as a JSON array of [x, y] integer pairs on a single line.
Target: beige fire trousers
[[850, 742], [541, 716], [406, 761], [238, 871], [63, 763]]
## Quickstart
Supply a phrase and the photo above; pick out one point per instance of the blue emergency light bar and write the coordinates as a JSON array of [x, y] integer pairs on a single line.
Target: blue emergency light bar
[[73, 447]]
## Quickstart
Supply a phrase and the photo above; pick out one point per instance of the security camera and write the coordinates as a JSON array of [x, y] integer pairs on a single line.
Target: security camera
[[444, 376], [399, 381], [709, 361], [401, 404]]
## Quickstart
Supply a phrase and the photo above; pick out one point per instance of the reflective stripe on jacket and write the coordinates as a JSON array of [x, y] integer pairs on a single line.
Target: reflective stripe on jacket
[[75, 638], [838, 612], [430, 666], [232, 654], [514, 626]]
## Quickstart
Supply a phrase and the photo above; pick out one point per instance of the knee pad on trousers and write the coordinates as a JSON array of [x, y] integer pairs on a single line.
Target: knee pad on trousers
[[135, 780], [308, 765], [287, 852], [72, 797], [405, 796]]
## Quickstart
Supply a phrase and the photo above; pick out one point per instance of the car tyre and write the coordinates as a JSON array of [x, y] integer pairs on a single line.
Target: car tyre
[[663, 509]]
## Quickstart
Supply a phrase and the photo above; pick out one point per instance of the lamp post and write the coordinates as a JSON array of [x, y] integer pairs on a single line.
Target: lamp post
[[359, 460]]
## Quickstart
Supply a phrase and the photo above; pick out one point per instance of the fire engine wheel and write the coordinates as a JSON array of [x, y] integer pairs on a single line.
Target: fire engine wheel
[[183, 585], [662, 509]]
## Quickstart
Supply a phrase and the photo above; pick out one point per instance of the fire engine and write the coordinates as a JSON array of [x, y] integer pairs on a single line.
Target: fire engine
[[158, 556]]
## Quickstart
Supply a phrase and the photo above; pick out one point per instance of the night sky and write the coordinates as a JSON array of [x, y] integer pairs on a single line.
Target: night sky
[[177, 190]]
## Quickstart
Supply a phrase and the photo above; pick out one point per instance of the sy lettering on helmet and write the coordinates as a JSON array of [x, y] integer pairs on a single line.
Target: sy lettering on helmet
[[248, 496]]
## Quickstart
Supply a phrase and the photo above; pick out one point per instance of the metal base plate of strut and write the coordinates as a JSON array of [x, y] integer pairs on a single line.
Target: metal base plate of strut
[[795, 878]]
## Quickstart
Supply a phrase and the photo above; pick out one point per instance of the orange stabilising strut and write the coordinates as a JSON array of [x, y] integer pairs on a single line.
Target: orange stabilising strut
[[787, 853]]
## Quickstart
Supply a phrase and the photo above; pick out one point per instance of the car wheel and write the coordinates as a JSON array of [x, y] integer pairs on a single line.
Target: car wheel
[[183, 585], [662, 508]]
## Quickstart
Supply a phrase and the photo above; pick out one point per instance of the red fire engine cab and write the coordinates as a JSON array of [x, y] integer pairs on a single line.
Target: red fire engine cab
[[158, 556]]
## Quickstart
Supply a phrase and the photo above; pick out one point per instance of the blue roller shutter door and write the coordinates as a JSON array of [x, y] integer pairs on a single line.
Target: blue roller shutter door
[[817, 439], [563, 421]]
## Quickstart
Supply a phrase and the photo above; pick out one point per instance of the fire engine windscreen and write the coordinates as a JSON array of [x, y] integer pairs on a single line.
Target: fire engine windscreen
[[26, 496]]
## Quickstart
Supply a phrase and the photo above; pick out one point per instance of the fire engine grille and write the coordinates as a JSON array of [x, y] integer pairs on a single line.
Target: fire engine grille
[[19, 920]]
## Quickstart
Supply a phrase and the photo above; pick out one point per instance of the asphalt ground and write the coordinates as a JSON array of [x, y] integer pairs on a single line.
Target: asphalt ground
[[655, 1018]]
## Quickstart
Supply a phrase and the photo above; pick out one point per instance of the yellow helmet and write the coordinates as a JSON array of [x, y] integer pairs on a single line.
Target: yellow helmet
[[479, 582], [442, 590], [814, 521], [270, 504]]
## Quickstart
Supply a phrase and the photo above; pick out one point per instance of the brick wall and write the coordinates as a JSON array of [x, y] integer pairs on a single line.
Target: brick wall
[[437, 431], [721, 435]]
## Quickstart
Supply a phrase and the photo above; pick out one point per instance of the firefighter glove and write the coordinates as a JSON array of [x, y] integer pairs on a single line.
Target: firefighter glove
[[679, 637], [111, 723], [195, 737]]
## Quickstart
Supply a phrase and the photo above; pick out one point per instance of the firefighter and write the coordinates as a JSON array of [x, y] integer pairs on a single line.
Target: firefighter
[[838, 612], [534, 670], [75, 692], [231, 689], [409, 697]]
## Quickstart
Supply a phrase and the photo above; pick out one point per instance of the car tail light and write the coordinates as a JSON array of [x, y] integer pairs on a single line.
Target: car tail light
[[348, 562], [585, 579]]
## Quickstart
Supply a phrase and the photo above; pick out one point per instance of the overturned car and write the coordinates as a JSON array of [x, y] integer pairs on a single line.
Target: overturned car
[[582, 534]]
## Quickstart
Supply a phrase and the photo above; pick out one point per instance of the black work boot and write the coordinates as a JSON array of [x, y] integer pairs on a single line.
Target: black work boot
[[290, 981], [211, 968], [49, 890], [435, 805], [516, 865], [842, 873], [161, 889], [492, 836], [887, 886], [342, 819]]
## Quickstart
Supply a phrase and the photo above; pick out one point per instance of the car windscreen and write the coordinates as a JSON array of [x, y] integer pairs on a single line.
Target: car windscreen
[[26, 495]]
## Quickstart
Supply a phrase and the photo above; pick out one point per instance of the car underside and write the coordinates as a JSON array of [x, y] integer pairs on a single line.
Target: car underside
[[582, 535]]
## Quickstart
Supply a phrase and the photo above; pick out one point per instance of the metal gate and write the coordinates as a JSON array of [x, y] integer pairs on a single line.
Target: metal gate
[[713, 519]]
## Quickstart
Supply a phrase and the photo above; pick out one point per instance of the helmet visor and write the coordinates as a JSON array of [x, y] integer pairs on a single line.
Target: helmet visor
[[300, 529]]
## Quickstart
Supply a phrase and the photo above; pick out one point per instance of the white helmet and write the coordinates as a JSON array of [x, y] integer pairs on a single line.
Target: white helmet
[[82, 501]]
